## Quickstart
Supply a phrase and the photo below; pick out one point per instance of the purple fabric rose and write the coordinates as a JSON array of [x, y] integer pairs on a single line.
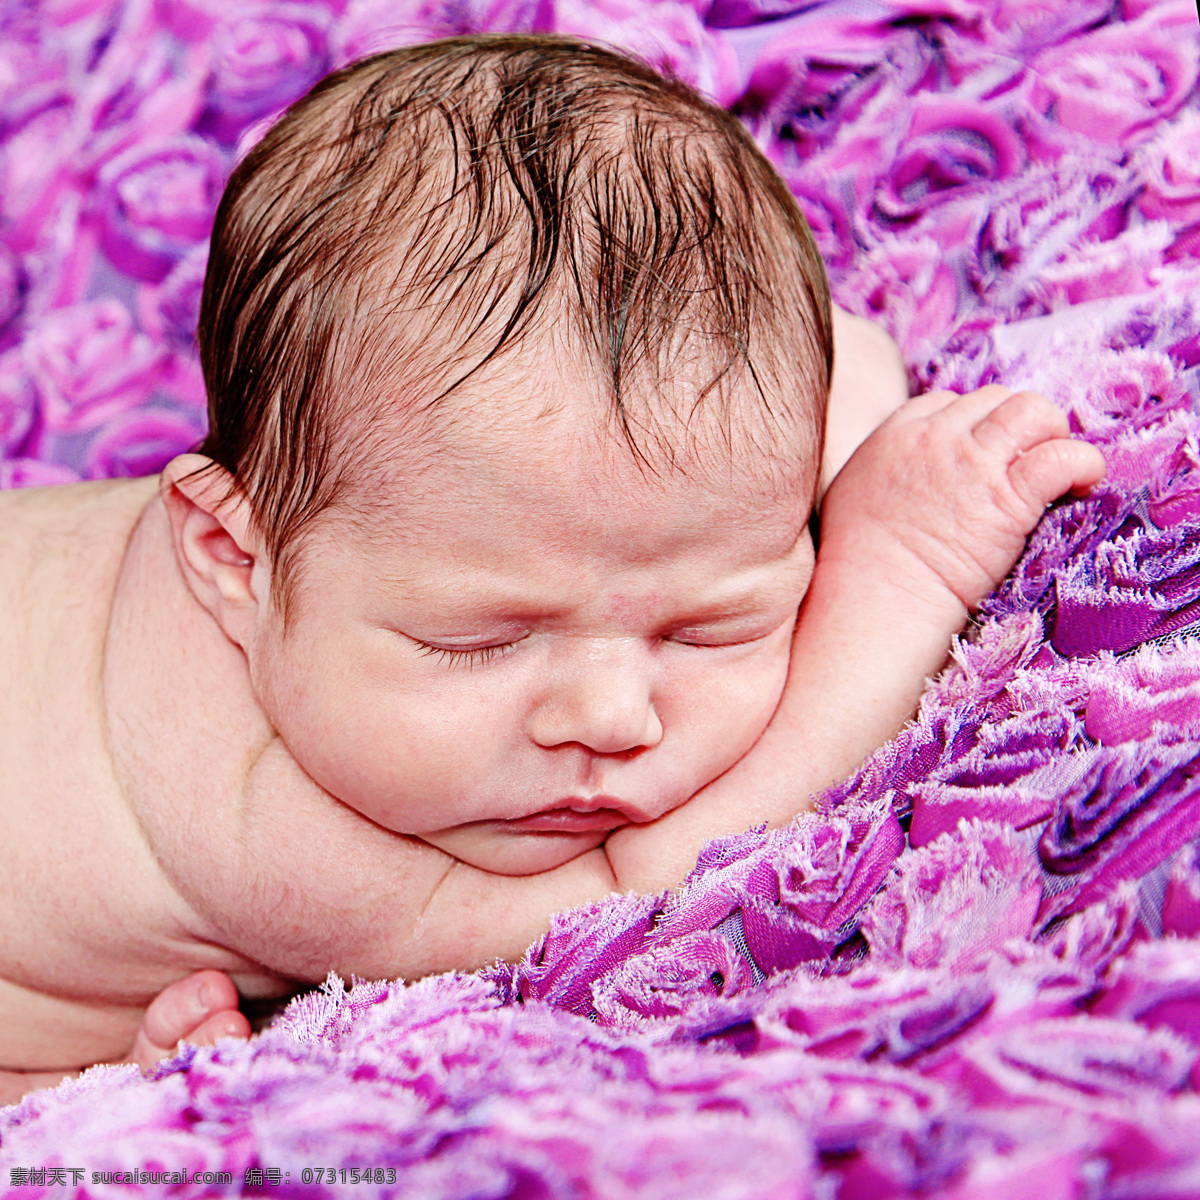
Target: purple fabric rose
[[1134, 806], [827, 214], [265, 57], [1148, 695], [1096, 936], [794, 898], [89, 364], [373, 26], [33, 175], [1027, 24], [1126, 264], [1070, 1061], [33, 67], [170, 312], [1158, 985], [1015, 770], [957, 899], [811, 75], [13, 287], [1012, 25], [18, 403], [23, 472], [1114, 82], [1181, 899], [194, 20], [1176, 15], [561, 968], [141, 443], [731, 14], [873, 1013], [1174, 493], [1171, 165], [1065, 534], [913, 290], [141, 87], [1025, 800], [1141, 387], [822, 878], [674, 40], [157, 201], [1132, 590], [950, 147], [666, 981]]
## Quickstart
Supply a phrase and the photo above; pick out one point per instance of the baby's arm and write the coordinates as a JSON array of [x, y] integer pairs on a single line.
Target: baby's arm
[[926, 518]]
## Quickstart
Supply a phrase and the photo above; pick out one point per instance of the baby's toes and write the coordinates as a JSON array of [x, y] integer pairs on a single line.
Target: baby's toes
[[199, 1009], [1052, 468]]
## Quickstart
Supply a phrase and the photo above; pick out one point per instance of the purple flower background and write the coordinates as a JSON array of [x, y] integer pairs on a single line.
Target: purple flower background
[[975, 972]]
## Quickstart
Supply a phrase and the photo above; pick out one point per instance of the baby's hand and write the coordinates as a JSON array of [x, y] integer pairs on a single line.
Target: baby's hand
[[944, 493], [200, 1009]]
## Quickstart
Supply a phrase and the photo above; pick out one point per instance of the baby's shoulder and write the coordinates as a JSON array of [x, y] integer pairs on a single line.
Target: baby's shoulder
[[82, 527], [61, 550]]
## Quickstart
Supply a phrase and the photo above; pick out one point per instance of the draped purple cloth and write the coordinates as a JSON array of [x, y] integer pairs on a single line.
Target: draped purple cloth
[[975, 971]]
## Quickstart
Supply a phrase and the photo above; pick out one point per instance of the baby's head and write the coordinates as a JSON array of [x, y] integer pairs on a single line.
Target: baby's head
[[517, 358]]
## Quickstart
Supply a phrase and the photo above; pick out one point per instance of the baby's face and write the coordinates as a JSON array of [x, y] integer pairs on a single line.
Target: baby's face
[[519, 651]]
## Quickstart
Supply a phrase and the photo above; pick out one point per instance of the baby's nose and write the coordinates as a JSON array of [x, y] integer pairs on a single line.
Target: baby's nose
[[601, 699]]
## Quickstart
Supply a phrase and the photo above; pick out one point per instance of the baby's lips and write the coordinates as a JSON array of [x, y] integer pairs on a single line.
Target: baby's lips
[[567, 818]]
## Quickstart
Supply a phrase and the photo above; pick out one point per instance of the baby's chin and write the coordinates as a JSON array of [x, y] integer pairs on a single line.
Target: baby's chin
[[489, 846]]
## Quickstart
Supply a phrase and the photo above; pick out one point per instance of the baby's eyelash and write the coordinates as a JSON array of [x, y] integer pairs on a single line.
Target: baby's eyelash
[[467, 658], [699, 645]]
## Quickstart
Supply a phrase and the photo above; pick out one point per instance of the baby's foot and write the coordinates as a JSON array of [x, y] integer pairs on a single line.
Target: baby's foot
[[943, 495], [198, 1009], [869, 384]]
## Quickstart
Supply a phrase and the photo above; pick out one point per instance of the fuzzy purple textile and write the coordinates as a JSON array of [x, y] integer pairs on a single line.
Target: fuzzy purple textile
[[975, 972]]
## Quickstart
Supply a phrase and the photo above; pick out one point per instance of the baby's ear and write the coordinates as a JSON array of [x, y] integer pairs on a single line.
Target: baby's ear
[[216, 542]]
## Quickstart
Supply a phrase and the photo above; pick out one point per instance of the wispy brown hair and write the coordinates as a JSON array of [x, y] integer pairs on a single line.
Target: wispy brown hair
[[420, 213]]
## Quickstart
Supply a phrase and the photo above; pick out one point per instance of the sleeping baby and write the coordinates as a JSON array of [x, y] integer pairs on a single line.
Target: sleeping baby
[[491, 590]]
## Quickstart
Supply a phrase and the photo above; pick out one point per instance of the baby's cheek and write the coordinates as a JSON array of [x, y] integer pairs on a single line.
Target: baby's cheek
[[727, 705]]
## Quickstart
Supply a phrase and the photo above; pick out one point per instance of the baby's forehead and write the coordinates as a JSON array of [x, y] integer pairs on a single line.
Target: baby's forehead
[[542, 419], [548, 507]]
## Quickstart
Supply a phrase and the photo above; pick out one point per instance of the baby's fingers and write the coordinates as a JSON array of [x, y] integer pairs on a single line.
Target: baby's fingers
[[1018, 423], [200, 1008], [1054, 467]]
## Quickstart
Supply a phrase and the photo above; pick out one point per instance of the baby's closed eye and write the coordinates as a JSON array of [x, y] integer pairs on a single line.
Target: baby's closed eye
[[466, 655], [699, 639]]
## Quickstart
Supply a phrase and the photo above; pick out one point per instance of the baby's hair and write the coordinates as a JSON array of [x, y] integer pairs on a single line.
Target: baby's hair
[[422, 213]]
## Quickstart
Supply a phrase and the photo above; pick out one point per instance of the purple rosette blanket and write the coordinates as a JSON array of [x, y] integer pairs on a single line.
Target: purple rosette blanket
[[975, 971]]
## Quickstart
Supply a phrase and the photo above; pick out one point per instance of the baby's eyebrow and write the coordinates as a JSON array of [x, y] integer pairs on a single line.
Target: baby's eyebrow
[[514, 611], [748, 607]]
